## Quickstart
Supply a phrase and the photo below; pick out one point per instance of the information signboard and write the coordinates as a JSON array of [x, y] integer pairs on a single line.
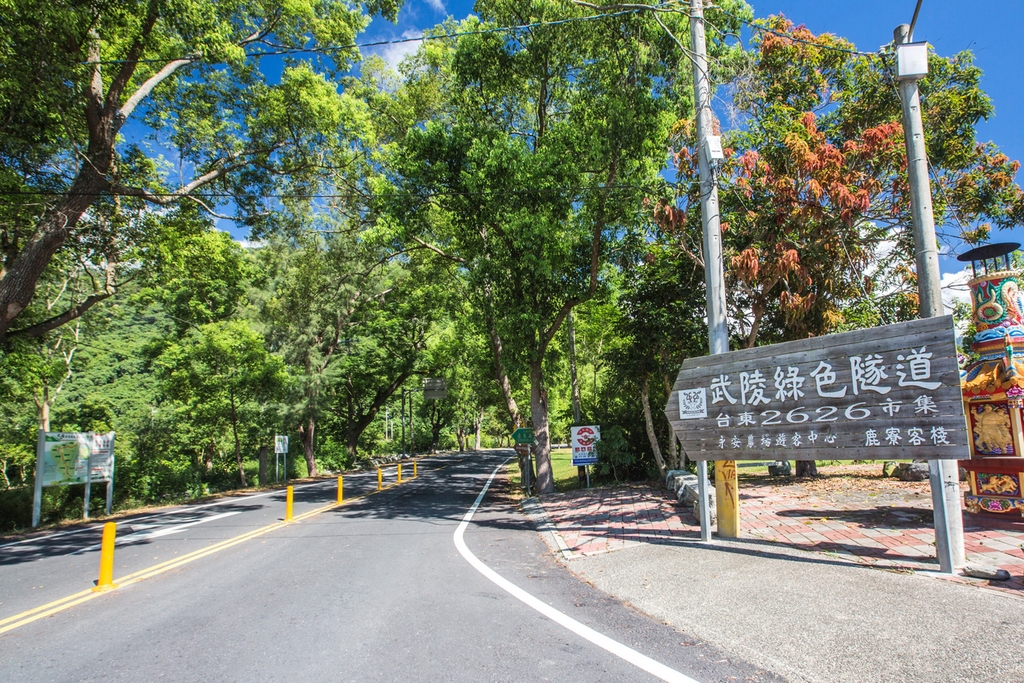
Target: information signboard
[[435, 388], [583, 441], [280, 444], [883, 393], [67, 458]]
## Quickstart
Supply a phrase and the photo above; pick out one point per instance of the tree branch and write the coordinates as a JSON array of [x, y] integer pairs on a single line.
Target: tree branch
[[41, 328], [147, 87]]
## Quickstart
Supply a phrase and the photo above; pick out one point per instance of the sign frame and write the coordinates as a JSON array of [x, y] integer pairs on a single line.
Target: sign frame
[[94, 461], [882, 393]]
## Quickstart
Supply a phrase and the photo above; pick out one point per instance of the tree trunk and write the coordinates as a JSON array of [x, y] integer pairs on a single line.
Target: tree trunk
[[263, 464], [352, 440], [502, 376], [18, 282], [460, 436], [574, 379], [806, 468], [675, 458], [645, 402], [208, 455], [574, 388], [479, 425], [541, 438], [44, 409], [306, 435]]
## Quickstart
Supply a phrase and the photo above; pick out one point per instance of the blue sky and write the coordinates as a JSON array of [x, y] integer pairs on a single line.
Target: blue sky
[[991, 29]]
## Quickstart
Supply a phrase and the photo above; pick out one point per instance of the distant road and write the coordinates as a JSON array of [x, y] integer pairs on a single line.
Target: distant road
[[375, 590]]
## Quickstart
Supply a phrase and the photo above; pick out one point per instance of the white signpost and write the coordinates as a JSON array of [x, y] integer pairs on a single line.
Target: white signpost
[[280, 446], [583, 441], [66, 458]]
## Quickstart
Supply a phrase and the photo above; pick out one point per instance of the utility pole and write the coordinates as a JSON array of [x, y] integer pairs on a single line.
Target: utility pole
[[943, 474], [726, 481]]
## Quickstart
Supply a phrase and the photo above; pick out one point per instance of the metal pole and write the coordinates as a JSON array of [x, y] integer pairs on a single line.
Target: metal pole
[[37, 498], [703, 506], [110, 482], [943, 474], [714, 276], [403, 422], [88, 483]]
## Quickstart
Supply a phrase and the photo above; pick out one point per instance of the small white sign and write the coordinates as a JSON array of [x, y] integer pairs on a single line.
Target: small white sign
[[280, 444], [693, 404], [583, 441]]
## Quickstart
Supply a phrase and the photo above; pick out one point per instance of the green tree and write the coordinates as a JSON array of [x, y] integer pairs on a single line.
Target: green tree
[[84, 81], [221, 372], [535, 164]]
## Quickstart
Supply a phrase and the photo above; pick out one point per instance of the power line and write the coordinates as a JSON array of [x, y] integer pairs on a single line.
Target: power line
[[758, 27], [229, 195], [394, 41]]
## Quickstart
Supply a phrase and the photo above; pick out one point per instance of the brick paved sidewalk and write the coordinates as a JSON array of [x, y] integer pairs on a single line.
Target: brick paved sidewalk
[[892, 537]]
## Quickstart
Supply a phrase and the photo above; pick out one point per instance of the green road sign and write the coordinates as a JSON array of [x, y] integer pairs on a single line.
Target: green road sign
[[523, 435]]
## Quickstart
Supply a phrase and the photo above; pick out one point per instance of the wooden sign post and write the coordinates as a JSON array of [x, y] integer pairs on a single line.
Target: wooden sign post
[[884, 393]]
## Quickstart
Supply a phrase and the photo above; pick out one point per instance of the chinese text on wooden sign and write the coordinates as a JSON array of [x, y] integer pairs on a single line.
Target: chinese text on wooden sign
[[883, 393]]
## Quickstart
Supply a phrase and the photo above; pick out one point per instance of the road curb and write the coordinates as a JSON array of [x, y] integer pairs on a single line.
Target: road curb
[[539, 516]]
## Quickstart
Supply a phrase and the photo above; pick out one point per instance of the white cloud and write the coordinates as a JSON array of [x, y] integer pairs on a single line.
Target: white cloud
[[437, 6], [395, 53], [954, 288]]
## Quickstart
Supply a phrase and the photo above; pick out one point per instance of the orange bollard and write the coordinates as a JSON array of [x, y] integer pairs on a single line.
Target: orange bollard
[[106, 580], [288, 506], [340, 491]]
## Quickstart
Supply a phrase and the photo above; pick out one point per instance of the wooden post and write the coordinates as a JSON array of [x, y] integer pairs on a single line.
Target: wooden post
[[727, 493]]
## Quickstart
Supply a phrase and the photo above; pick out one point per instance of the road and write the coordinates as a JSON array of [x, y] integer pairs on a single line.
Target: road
[[409, 584]]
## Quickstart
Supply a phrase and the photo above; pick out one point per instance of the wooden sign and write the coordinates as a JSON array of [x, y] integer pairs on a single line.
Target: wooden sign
[[884, 393]]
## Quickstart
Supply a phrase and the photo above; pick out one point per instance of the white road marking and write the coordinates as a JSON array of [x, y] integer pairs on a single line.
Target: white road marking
[[174, 511], [157, 533], [613, 646]]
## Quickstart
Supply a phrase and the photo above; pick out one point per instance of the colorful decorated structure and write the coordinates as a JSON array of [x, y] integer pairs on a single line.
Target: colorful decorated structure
[[993, 385]]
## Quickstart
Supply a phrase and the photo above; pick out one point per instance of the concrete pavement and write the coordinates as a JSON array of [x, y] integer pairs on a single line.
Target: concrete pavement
[[811, 599]]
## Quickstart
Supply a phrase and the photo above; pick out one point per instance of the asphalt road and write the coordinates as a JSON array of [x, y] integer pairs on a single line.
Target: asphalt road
[[376, 589]]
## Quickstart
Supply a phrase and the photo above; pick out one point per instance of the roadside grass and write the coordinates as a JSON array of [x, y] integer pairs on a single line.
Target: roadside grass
[[561, 468]]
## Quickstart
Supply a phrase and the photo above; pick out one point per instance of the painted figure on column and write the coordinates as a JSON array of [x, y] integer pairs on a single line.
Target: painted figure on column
[[993, 385]]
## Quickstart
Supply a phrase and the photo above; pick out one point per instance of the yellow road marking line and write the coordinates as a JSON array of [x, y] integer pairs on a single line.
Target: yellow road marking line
[[28, 616]]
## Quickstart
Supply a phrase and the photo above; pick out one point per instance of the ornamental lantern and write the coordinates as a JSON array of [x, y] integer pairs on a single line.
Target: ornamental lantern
[[993, 385]]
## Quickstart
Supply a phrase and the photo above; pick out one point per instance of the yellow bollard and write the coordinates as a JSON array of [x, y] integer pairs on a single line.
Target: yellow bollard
[[727, 487], [288, 505], [380, 480], [415, 473], [106, 580], [340, 491], [399, 473]]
